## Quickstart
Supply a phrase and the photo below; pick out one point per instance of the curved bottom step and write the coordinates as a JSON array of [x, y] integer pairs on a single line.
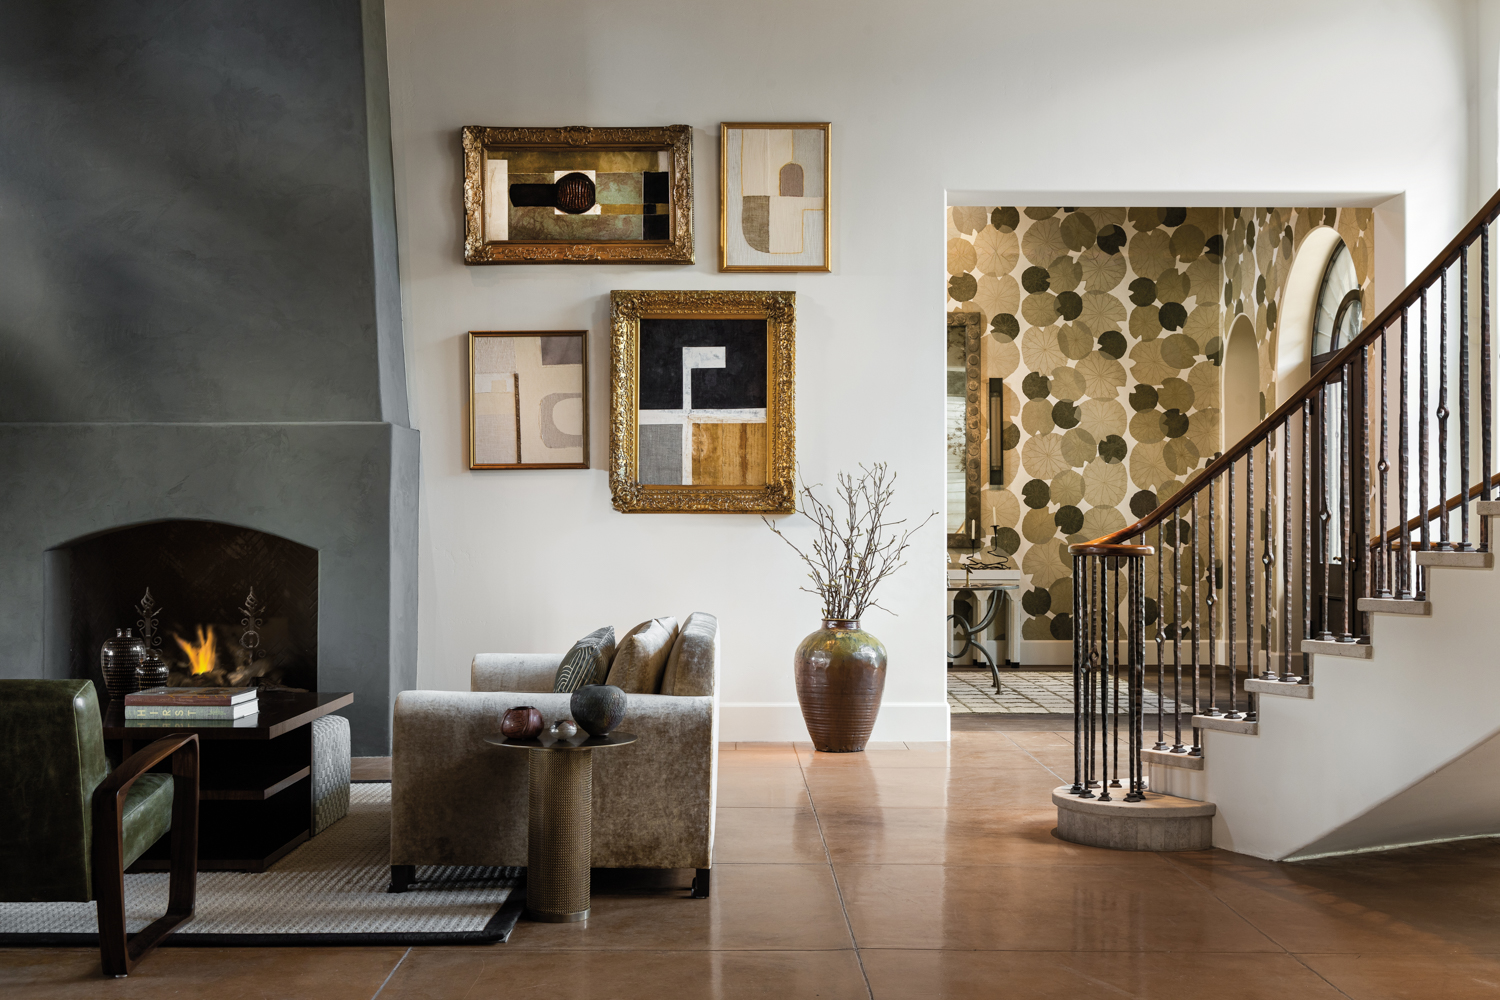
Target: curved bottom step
[[1160, 823]]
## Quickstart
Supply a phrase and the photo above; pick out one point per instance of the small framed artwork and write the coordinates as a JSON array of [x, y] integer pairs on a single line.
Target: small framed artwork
[[528, 400], [774, 198], [701, 401], [578, 195]]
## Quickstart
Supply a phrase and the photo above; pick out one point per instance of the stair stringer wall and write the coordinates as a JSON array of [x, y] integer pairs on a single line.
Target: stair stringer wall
[[1380, 755]]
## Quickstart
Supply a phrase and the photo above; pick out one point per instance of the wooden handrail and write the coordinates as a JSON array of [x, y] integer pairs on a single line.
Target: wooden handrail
[[1098, 549], [1409, 295], [1451, 504]]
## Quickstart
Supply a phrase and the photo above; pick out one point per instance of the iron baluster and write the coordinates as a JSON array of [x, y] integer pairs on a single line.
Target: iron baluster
[[1307, 529], [1115, 697], [1249, 578], [1213, 607], [1463, 393], [1177, 745], [1077, 788], [1384, 543], [1104, 609], [1359, 552], [1442, 409], [1137, 639], [1403, 582], [1286, 550], [1161, 638], [1268, 559], [1485, 428], [1325, 514], [1424, 442], [1231, 612], [1197, 743], [1091, 599], [1346, 512]]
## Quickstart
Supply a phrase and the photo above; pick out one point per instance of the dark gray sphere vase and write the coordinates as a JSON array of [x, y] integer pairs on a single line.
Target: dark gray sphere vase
[[598, 708]]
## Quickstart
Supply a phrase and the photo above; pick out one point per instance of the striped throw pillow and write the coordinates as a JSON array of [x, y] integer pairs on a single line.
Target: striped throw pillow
[[587, 662]]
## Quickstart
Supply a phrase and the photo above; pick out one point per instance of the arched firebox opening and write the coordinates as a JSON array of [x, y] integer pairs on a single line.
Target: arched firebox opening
[[223, 604]]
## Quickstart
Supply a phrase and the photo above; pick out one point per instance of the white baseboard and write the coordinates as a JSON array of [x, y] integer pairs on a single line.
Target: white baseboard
[[776, 722]]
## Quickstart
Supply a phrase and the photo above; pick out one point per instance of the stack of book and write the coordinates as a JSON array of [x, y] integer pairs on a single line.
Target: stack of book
[[187, 703]]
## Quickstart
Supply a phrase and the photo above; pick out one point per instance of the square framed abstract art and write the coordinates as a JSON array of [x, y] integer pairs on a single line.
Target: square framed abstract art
[[528, 400], [578, 195], [774, 196], [701, 402]]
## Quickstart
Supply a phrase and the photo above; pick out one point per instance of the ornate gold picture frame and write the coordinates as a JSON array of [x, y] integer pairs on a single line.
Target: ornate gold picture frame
[[578, 195], [528, 399], [702, 401], [775, 196]]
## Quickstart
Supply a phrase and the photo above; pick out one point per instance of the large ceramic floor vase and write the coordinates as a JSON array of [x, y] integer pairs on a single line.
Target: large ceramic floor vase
[[840, 678]]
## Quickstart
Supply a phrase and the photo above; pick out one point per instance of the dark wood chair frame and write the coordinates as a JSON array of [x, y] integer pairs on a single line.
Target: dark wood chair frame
[[119, 953]]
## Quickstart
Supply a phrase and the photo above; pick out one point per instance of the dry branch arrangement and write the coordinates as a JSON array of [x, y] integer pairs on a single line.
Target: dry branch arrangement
[[854, 547]]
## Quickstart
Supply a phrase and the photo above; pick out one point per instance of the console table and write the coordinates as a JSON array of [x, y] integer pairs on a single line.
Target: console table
[[255, 778], [559, 836]]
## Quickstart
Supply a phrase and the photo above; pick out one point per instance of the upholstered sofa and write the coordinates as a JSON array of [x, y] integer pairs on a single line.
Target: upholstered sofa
[[456, 800]]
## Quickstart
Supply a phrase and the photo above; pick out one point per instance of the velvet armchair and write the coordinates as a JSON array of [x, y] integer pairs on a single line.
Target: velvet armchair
[[71, 826]]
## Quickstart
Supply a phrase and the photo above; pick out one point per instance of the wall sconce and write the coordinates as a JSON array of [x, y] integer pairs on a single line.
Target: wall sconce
[[997, 432]]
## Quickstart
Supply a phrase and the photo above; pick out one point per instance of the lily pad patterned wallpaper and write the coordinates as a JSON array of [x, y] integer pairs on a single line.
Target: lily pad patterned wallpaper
[[1108, 326]]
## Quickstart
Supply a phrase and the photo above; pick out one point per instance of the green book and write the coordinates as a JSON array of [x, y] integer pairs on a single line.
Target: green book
[[171, 713]]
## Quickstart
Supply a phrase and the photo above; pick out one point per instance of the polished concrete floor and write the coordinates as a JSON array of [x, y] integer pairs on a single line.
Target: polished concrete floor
[[913, 871]]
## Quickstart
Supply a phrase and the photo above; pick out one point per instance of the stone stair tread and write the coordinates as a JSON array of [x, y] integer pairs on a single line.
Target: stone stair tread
[[1466, 560], [1331, 647], [1394, 605], [1284, 689], [1169, 759], [1224, 725]]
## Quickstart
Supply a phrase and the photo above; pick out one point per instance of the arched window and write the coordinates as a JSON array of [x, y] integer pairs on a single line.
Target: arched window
[[1337, 316]]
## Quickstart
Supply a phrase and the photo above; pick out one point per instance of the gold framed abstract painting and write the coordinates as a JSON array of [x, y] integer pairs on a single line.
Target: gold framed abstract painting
[[701, 404], [774, 197], [578, 195], [528, 400]]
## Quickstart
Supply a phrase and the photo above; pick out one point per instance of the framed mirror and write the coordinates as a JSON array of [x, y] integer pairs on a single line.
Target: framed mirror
[[965, 430]]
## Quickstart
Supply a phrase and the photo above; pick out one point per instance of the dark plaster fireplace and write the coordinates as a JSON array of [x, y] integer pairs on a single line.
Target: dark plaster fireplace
[[224, 605], [201, 343]]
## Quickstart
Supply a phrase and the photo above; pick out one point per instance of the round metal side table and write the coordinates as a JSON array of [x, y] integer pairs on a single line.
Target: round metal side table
[[559, 836]]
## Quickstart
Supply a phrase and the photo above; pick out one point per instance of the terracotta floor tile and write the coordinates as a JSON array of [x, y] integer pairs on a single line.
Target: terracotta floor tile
[[1427, 909], [768, 836], [752, 908], [930, 788], [759, 755], [1376, 976], [812, 759], [1064, 975], [1136, 907], [220, 973], [498, 974], [980, 836], [762, 786]]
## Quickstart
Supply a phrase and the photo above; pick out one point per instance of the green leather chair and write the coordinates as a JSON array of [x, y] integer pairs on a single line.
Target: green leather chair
[[71, 826]]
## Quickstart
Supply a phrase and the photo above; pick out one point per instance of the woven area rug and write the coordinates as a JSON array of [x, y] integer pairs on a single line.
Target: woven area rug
[[330, 890]]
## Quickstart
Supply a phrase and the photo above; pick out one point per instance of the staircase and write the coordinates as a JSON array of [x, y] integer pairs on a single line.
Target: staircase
[[1321, 600]]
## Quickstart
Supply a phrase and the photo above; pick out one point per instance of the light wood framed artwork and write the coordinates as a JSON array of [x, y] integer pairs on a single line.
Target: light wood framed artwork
[[578, 195], [702, 401], [528, 399], [775, 196]]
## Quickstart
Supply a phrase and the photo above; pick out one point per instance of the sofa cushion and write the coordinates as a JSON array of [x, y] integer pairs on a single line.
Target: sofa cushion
[[690, 665], [587, 662], [642, 657]]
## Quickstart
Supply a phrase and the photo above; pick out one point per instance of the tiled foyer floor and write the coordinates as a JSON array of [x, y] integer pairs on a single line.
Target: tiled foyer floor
[[913, 871]]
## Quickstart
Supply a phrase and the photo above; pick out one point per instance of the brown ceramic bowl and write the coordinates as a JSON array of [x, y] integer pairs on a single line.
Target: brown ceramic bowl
[[522, 723]]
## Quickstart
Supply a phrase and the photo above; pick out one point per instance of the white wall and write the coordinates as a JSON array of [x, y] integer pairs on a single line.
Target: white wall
[[1157, 97]]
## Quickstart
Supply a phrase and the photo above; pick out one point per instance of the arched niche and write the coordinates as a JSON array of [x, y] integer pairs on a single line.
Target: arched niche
[[1299, 301], [1241, 375]]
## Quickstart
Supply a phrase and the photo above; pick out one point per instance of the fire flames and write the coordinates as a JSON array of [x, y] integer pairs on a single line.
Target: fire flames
[[201, 655]]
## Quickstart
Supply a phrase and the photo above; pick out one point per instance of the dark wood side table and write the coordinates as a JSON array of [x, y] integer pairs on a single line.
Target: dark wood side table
[[255, 778], [559, 834]]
